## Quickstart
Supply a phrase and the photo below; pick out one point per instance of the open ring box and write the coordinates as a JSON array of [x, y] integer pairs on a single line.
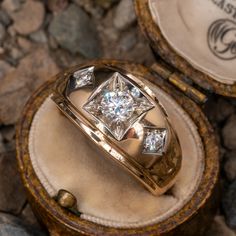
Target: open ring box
[[54, 155]]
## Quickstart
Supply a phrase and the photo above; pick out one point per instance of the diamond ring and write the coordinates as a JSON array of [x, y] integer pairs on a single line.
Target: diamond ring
[[121, 115]]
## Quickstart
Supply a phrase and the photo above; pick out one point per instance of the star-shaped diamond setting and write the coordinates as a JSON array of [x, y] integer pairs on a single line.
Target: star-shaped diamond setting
[[82, 78], [118, 104], [154, 141]]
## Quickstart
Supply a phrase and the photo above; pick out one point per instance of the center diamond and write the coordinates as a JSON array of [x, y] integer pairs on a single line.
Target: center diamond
[[118, 104]]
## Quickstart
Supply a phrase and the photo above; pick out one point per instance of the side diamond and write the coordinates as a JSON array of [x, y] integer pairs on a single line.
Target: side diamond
[[83, 77], [154, 141]]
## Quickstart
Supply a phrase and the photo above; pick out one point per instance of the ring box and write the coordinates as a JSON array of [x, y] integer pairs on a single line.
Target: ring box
[[54, 155]]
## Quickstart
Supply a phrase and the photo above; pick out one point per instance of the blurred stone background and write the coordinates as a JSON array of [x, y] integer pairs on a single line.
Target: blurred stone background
[[39, 38]]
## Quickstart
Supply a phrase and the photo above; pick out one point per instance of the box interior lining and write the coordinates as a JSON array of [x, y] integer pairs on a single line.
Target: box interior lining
[[186, 25]]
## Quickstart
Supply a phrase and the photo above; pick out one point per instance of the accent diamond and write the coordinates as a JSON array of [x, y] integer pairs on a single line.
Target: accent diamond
[[83, 77], [113, 104], [154, 141]]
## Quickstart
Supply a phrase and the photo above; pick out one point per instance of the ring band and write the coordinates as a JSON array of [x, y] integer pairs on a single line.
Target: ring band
[[122, 116]]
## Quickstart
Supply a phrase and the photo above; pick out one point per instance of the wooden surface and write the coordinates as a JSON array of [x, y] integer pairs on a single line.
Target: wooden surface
[[162, 48], [191, 219]]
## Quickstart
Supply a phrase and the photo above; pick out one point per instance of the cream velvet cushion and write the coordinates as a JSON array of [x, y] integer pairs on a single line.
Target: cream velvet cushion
[[185, 24], [64, 159]]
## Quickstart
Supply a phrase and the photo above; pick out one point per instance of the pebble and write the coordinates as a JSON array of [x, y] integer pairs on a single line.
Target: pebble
[[12, 194], [91, 7], [5, 68], [39, 36], [29, 218], [4, 18], [128, 41], [29, 18], [16, 53], [230, 166], [2, 146], [219, 228], [124, 15], [11, 30], [2, 51], [229, 133], [11, 5], [17, 86], [222, 110], [106, 4], [57, 5], [229, 205], [75, 31], [13, 226], [24, 44], [52, 42], [110, 33], [2, 33]]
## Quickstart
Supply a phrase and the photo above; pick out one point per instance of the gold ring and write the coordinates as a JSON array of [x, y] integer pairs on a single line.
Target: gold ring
[[123, 117]]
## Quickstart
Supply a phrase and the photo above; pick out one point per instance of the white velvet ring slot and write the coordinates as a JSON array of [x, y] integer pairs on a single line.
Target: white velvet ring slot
[[63, 158]]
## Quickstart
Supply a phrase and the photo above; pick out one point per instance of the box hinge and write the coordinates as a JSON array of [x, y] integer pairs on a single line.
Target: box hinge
[[178, 81]]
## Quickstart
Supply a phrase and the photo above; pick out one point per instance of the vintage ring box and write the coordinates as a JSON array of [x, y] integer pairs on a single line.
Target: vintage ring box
[[54, 155]]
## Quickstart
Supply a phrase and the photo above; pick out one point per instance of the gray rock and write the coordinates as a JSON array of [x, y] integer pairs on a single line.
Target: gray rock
[[230, 165], [128, 41], [224, 109], [29, 218], [219, 228], [229, 205], [12, 194], [4, 18], [39, 36], [229, 133], [2, 32], [124, 15], [91, 7], [17, 86], [13, 226], [219, 110], [75, 31]]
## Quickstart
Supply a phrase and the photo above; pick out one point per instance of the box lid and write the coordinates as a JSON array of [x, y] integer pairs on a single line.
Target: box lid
[[195, 37]]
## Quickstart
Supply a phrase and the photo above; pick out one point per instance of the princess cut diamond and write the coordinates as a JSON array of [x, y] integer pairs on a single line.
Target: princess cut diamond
[[154, 141], [113, 104], [84, 77]]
